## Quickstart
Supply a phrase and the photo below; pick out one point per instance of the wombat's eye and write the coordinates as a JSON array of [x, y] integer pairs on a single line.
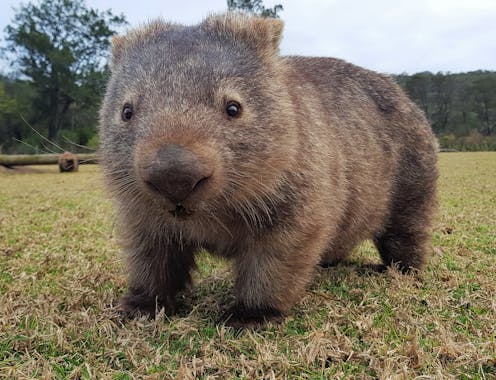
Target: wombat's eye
[[127, 112], [233, 109]]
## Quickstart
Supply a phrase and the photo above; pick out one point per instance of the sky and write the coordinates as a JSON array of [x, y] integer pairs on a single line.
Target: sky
[[390, 36]]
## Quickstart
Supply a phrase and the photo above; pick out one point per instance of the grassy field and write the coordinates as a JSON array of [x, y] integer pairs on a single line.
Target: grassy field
[[60, 271]]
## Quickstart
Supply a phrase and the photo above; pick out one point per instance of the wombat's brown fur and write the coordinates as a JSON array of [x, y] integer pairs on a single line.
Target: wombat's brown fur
[[212, 140], [68, 162]]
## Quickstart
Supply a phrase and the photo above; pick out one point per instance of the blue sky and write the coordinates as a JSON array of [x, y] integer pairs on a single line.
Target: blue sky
[[391, 36]]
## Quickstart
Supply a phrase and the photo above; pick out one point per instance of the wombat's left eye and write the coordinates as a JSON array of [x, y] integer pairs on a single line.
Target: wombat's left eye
[[127, 112], [233, 109]]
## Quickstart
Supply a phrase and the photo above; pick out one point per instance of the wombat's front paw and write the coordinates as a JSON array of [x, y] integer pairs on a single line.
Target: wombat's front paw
[[135, 305], [372, 268], [240, 316]]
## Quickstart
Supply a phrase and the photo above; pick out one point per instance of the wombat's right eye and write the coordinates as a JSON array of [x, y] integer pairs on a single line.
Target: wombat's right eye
[[127, 112], [233, 108]]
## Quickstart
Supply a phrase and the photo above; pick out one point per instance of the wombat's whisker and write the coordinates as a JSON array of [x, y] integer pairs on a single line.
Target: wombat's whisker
[[256, 203], [35, 149], [48, 149], [61, 150], [79, 145]]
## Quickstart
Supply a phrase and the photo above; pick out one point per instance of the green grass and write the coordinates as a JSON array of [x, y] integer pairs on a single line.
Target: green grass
[[60, 271]]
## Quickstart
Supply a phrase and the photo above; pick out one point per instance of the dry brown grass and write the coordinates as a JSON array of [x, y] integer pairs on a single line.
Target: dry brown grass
[[60, 271]]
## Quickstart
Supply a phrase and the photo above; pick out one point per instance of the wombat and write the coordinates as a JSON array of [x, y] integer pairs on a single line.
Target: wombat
[[212, 140], [68, 162]]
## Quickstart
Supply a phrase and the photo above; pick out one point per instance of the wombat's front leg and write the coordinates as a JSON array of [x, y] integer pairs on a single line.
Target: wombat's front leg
[[269, 283], [158, 269]]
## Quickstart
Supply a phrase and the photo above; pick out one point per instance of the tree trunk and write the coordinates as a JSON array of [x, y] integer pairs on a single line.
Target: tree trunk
[[42, 159], [52, 120]]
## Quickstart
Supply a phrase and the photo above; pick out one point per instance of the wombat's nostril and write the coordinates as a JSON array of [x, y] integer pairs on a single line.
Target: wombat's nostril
[[200, 183], [175, 172]]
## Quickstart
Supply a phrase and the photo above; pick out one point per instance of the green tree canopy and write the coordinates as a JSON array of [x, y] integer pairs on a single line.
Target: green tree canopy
[[254, 6], [59, 46]]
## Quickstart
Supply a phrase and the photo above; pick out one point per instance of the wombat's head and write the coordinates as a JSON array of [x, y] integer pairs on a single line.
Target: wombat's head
[[197, 118]]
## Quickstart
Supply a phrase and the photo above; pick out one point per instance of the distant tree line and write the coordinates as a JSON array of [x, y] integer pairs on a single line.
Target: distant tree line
[[58, 50], [460, 107]]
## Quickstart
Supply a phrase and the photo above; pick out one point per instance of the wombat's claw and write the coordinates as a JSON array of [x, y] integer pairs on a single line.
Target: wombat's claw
[[328, 264], [372, 268], [136, 305], [240, 317]]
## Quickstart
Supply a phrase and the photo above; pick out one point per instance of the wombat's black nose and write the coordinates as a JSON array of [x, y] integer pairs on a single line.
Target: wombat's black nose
[[175, 172]]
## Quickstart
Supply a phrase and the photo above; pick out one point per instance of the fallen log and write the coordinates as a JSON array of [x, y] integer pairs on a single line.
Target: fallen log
[[43, 159]]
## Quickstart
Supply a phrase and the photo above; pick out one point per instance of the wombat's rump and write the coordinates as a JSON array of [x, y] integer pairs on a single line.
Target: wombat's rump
[[210, 139]]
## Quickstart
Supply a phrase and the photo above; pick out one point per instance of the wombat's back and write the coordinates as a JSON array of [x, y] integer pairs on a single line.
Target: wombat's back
[[377, 142], [349, 90], [367, 112]]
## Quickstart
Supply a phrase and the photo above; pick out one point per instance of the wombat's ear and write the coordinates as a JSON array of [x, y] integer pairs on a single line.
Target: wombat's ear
[[136, 38], [118, 43], [262, 33]]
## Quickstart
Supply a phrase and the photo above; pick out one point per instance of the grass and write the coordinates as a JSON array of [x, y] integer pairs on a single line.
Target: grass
[[60, 270]]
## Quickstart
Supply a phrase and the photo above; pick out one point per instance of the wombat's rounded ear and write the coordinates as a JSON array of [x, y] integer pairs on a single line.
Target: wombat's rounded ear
[[275, 27], [118, 43], [154, 30], [262, 33]]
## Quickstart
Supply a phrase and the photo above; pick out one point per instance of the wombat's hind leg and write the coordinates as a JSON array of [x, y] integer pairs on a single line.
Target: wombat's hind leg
[[405, 241], [404, 249]]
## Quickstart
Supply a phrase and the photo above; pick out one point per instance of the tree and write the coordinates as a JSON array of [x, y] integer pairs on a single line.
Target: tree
[[59, 45], [254, 6], [484, 90], [418, 86], [16, 98], [8, 106], [443, 90]]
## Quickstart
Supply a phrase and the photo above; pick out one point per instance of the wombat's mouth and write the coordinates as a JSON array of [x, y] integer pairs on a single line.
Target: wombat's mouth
[[180, 211]]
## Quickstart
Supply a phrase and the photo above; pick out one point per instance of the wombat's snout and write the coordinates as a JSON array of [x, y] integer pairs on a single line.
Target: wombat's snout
[[175, 172]]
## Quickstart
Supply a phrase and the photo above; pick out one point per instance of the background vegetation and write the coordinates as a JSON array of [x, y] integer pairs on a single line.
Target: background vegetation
[[58, 51], [461, 107]]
